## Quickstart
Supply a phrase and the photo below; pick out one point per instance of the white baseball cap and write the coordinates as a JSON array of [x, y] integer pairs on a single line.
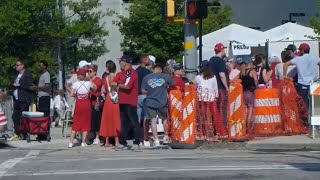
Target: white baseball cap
[[153, 59], [84, 63]]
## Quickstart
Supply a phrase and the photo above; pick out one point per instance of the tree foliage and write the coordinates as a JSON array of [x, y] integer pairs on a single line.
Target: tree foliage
[[217, 19], [32, 29], [315, 23], [145, 31]]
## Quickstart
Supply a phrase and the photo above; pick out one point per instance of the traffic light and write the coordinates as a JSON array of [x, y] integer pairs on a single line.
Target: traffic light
[[168, 8], [197, 9]]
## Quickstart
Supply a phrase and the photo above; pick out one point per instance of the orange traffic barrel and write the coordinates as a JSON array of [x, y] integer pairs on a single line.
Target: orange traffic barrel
[[267, 112]]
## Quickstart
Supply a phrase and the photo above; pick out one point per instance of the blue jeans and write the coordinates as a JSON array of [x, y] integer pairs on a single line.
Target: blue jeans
[[304, 91], [140, 110]]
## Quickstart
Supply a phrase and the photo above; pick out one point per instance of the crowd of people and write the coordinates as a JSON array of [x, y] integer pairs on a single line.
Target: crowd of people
[[254, 72], [119, 105]]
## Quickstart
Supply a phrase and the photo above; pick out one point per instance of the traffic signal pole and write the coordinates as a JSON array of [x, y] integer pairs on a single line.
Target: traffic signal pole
[[190, 46]]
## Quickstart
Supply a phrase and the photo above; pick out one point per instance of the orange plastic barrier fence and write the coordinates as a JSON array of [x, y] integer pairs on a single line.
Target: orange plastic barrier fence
[[293, 109], [236, 115], [267, 112], [175, 112], [182, 110]]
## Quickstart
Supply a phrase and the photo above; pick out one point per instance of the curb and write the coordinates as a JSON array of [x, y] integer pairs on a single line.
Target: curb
[[282, 147]]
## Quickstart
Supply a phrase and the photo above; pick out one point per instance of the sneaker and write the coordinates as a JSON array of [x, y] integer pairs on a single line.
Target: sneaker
[[70, 145], [166, 140], [96, 141], [156, 143], [146, 143], [84, 145], [14, 137], [135, 148], [121, 148]]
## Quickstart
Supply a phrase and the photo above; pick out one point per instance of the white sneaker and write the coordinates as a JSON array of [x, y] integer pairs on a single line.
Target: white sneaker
[[156, 143], [70, 145], [146, 143], [166, 140], [84, 145], [96, 141]]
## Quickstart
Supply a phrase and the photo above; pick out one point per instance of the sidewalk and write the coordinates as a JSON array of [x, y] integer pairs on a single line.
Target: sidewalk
[[288, 143], [280, 143]]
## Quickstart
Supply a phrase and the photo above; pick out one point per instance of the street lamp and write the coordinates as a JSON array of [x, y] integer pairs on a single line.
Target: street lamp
[[296, 15], [293, 15]]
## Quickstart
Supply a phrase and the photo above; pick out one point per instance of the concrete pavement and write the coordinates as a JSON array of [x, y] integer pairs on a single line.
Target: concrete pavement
[[53, 160], [280, 143], [158, 164]]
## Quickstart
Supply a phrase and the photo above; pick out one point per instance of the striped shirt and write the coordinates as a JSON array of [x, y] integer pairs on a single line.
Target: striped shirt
[[3, 119]]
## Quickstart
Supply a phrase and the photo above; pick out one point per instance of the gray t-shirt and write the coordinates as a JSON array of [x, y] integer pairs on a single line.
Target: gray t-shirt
[[44, 79], [156, 86], [307, 66]]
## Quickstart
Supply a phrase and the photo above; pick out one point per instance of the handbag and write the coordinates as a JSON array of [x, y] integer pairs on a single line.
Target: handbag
[[113, 94]]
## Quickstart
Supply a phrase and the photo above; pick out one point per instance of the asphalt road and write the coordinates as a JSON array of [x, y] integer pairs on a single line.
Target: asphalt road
[[81, 164]]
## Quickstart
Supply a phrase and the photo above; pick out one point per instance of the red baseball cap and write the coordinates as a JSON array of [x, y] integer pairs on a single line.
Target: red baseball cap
[[219, 47], [81, 72], [304, 46]]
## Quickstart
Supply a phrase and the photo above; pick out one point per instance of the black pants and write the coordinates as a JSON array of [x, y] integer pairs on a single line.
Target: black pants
[[129, 118], [95, 119], [44, 105], [18, 107], [303, 91]]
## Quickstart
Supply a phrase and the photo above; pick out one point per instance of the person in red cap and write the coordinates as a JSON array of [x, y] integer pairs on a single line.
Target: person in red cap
[[82, 111], [218, 66], [307, 67], [127, 82]]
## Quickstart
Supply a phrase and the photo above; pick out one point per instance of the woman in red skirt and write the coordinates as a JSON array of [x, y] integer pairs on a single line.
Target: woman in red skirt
[[110, 120], [82, 112]]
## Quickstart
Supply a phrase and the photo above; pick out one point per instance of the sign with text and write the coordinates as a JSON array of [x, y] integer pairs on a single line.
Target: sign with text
[[240, 49]]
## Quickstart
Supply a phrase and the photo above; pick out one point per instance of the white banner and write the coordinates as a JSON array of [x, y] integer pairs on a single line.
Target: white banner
[[240, 49]]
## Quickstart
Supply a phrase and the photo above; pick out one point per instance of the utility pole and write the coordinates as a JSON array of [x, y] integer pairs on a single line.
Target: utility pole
[[190, 46], [59, 43]]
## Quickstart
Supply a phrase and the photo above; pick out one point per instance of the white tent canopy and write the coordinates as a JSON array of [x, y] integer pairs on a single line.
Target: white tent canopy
[[231, 33], [234, 33], [290, 32]]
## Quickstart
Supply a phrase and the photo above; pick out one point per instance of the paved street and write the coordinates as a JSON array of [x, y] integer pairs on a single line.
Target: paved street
[[79, 163]]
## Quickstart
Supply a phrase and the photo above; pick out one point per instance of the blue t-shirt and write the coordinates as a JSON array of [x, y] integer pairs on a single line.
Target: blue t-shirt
[[156, 86], [218, 65], [142, 72]]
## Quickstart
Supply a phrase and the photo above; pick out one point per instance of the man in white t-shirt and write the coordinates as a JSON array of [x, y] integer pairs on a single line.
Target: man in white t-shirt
[[43, 89], [307, 67]]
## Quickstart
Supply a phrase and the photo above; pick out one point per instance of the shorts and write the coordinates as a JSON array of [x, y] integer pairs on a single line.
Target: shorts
[[151, 113], [248, 98]]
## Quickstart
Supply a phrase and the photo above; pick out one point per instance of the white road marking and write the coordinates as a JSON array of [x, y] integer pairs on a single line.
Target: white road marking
[[164, 169], [153, 157], [33, 153], [7, 165]]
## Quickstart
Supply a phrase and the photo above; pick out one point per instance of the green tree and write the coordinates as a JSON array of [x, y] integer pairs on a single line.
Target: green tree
[[145, 31], [31, 30], [217, 19], [315, 22]]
